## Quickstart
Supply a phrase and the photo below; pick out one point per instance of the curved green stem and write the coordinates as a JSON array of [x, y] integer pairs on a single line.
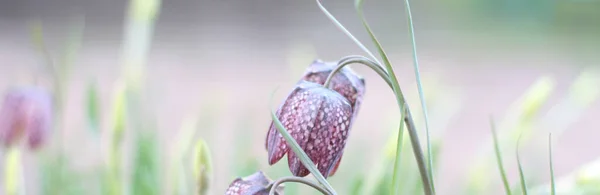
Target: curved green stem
[[273, 186], [358, 59], [407, 116]]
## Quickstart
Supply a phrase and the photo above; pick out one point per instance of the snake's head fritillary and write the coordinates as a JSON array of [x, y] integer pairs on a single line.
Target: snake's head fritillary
[[255, 184], [26, 112], [318, 119], [345, 82]]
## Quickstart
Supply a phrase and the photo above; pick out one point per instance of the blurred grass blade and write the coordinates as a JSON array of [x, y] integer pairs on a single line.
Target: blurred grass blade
[[73, 44], [145, 165], [521, 174], [13, 178], [377, 173], [397, 164], [37, 37], [202, 167], [343, 29], [181, 148], [114, 180], [306, 161], [552, 182], [93, 108], [519, 122], [499, 157]]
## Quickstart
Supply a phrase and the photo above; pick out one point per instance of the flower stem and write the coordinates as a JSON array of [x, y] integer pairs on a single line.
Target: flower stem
[[358, 59], [407, 116], [273, 186]]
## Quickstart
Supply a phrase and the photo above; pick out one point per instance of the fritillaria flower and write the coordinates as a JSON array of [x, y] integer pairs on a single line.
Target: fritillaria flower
[[318, 119], [25, 112], [255, 184], [345, 82]]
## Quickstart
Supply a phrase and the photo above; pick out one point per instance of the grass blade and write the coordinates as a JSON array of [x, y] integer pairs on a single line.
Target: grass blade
[[343, 29], [499, 158], [552, 182], [428, 187], [411, 30], [521, 174], [299, 152]]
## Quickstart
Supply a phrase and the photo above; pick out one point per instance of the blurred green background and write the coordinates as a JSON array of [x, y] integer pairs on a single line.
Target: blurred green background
[[534, 65]]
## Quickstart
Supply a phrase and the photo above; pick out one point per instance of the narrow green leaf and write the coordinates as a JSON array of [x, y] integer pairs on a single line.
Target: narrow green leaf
[[306, 161], [499, 157], [411, 30], [405, 112], [92, 105], [37, 37], [552, 182], [521, 174], [398, 163]]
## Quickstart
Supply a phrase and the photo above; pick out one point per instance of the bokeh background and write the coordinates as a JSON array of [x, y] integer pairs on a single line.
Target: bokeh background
[[219, 62]]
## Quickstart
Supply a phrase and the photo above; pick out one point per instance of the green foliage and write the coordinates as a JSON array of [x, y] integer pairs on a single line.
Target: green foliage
[[58, 178], [499, 158], [521, 174], [146, 172], [93, 108], [552, 182]]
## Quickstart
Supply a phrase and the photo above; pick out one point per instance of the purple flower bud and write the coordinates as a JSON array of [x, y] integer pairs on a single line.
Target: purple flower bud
[[345, 82], [25, 112], [255, 184], [318, 119]]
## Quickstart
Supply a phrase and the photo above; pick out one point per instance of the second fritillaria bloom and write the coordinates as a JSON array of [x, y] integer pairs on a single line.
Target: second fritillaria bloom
[[25, 112], [255, 184], [319, 120]]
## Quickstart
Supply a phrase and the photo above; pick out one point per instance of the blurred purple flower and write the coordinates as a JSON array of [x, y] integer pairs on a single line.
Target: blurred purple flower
[[318, 119], [26, 112], [255, 184]]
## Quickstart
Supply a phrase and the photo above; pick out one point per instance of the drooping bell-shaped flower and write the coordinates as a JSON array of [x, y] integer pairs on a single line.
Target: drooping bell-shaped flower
[[345, 82], [26, 112], [318, 119], [255, 184]]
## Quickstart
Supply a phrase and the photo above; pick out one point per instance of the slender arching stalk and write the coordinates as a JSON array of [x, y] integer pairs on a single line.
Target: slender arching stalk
[[273, 186], [361, 60], [412, 131]]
